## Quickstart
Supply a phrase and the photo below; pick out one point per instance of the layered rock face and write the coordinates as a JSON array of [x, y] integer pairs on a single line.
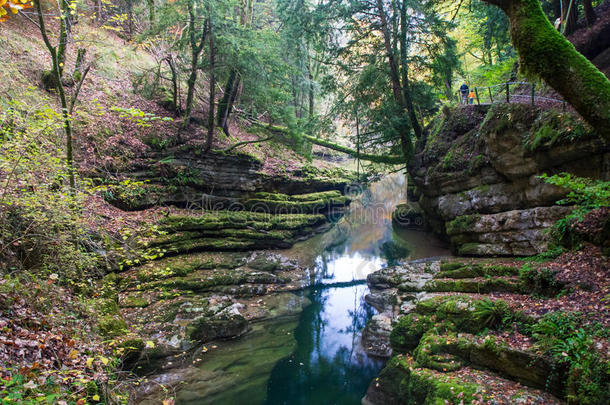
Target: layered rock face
[[191, 179], [470, 332], [477, 175], [199, 272]]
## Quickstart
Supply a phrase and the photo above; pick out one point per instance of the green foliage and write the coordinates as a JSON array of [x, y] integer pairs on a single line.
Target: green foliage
[[563, 336], [587, 194], [34, 389], [490, 313], [584, 192], [551, 253], [42, 223], [553, 128], [139, 117], [461, 224]]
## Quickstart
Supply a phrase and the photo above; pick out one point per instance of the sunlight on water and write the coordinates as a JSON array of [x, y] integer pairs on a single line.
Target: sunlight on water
[[319, 360]]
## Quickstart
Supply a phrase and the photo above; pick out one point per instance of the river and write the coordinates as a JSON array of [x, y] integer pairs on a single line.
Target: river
[[314, 356]]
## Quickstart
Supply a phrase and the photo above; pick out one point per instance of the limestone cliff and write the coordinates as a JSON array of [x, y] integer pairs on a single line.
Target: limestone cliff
[[477, 175]]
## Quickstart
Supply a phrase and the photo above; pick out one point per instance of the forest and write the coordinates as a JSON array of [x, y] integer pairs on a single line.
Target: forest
[[304, 202]]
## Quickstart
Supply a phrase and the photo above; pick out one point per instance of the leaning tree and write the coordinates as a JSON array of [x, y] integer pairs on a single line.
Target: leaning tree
[[544, 52]]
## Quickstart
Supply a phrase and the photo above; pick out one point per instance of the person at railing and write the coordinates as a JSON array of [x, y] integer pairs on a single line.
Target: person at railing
[[471, 97], [464, 92]]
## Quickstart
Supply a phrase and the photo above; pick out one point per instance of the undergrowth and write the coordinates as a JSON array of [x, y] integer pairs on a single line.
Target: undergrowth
[[585, 194], [570, 344]]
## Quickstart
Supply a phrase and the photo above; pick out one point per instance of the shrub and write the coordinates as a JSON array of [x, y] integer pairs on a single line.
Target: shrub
[[43, 226]]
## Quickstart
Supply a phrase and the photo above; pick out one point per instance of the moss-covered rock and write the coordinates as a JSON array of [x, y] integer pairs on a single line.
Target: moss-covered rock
[[408, 215], [478, 285], [112, 326], [457, 270], [207, 329], [408, 331]]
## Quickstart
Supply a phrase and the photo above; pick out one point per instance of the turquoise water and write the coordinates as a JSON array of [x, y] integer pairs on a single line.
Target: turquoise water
[[327, 366], [315, 357]]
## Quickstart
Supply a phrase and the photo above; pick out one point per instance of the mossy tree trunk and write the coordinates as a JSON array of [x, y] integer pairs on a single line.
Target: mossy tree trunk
[[397, 88], [65, 27], [151, 12], [544, 52], [172, 68]]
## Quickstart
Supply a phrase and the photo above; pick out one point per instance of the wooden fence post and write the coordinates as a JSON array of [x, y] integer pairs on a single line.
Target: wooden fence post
[[491, 97], [533, 93], [507, 92], [476, 92]]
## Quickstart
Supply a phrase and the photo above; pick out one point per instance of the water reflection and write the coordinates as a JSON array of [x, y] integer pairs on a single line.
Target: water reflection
[[328, 365], [322, 362]]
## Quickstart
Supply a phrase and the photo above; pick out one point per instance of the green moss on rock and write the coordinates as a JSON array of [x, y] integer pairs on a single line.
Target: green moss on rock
[[409, 329], [461, 224]]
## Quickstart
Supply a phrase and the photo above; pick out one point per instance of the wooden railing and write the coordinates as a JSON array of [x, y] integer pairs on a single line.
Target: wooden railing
[[500, 93]]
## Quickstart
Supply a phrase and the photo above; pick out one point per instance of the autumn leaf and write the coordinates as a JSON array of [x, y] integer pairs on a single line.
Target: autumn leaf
[[14, 6]]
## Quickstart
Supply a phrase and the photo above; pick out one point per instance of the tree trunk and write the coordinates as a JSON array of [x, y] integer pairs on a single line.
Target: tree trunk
[[570, 16], [222, 116], [395, 78], [62, 96], [232, 99], [590, 15], [130, 18], [172, 68], [98, 11], [210, 139], [448, 90], [311, 87], [295, 99], [64, 30], [546, 53], [405, 73], [195, 53], [190, 92], [151, 11]]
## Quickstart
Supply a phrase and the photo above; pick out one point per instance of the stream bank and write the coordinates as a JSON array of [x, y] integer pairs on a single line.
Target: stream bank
[[301, 339]]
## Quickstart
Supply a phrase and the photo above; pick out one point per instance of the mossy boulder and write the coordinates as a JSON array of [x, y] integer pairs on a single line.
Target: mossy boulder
[[407, 332], [402, 382], [221, 327], [312, 203], [475, 285], [112, 326]]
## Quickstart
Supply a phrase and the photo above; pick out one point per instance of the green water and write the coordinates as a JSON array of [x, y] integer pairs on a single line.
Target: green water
[[315, 356], [328, 365]]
